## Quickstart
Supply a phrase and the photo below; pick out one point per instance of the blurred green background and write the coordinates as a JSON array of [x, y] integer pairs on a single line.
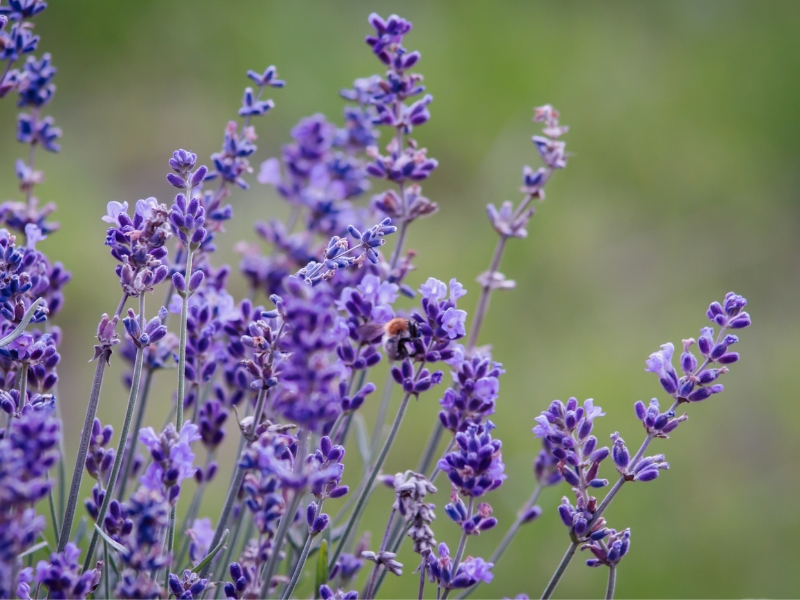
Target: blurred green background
[[683, 185]]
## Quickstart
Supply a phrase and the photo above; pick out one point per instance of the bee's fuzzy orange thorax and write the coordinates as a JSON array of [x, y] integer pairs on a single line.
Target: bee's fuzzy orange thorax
[[395, 326]]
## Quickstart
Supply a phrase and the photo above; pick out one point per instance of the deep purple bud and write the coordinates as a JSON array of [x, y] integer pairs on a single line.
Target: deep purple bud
[[199, 175], [339, 491], [178, 182], [570, 477], [640, 409], [740, 322], [532, 514], [647, 474], [599, 455], [196, 280], [565, 514], [179, 282], [729, 358]]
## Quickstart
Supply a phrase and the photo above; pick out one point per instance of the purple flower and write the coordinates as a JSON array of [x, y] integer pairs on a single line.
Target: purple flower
[[327, 593], [660, 363], [470, 571], [62, 575], [611, 552], [172, 457], [114, 210], [473, 398], [187, 587], [201, 535], [475, 466], [267, 78]]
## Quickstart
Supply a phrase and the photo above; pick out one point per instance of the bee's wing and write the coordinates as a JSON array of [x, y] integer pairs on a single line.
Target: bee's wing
[[370, 332]]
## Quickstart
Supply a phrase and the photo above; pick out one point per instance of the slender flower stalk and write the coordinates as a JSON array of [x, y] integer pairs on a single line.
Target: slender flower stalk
[[126, 424], [108, 331], [367, 489], [182, 348], [370, 591], [236, 479], [286, 518], [301, 560], [462, 545], [141, 407], [612, 582], [560, 570], [523, 516]]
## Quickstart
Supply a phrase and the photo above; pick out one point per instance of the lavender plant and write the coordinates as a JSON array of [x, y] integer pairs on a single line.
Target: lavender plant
[[286, 380]]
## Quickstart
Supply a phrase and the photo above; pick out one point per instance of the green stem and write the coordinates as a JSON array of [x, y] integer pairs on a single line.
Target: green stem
[[562, 567], [512, 531], [301, 561], [191, 514], [286, 519], [53, 514], [462, 545], [612, 582], [181, 394], [383, 410], [365, 492], [370, 591], [83, 449], [236, 480], [123, 440], [182, 346], [105, 569], [430, 448], [137, 425]]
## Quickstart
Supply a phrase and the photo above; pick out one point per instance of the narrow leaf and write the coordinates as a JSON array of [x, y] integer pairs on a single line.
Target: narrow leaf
[[362, 441], [115, 545], [34, 548], [209, 557], [20, 329], [322, 567], [80, 531]]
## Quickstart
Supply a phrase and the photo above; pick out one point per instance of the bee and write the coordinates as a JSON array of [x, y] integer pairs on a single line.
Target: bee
[[398, 336]]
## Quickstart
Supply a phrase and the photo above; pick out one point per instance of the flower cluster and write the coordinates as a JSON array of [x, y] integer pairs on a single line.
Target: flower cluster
[[697, 383], [138, 244], [29, 449], [476, 466], [299, 373], [473, 399], [468, 573], [172, 458], [62, 576], [612, 551]]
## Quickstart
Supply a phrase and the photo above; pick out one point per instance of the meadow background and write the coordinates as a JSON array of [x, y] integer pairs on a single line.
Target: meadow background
[[683, 185]]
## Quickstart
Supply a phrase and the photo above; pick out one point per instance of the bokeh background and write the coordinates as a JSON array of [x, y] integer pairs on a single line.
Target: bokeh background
[[683, 185]]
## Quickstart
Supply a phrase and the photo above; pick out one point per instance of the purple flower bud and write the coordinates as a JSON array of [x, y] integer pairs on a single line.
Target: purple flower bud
[[199, 176], [319, 524], [570, 477], [740, 322], [640, 410], [195, 281], [198, 236], [620, 453], [532, 514], [599, 455], [176, 181], [179, 282], [338, 492], [647, 474], [565, 514]]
